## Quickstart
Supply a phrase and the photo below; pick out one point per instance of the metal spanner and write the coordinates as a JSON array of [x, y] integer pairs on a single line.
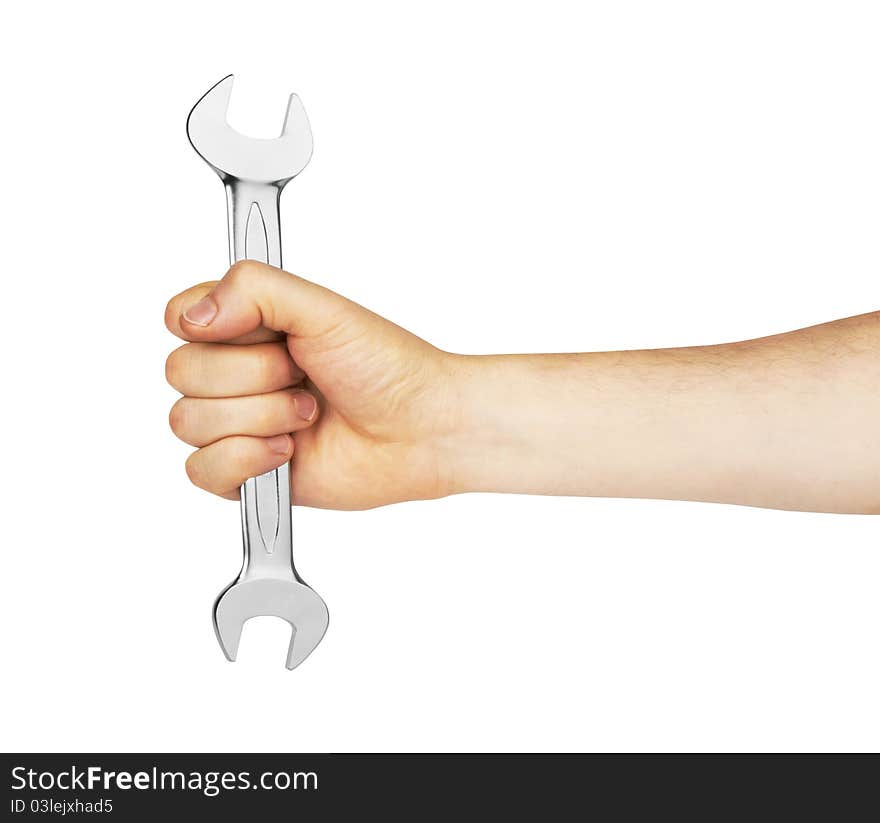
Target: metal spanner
[[254, 172]]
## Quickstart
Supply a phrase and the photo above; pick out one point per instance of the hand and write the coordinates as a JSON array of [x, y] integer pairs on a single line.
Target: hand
[[370, 404], [381, 416]]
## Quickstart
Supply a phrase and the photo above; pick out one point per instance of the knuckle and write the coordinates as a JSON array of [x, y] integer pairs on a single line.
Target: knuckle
[[241, 271], [173, 367], [195, 471], [178, 417]]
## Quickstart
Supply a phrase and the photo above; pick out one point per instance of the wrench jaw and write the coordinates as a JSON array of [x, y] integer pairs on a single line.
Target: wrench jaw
[[238, 157], [309, 626], [296, 122], [292, 601]]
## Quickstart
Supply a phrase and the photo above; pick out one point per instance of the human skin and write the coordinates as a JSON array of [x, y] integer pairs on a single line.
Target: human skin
[[380, 416]]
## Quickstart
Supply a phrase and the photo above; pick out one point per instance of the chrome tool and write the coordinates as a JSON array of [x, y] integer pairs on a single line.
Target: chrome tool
[[254, 171]]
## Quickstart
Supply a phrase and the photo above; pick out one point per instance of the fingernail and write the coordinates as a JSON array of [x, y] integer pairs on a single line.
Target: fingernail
[[280, 443], [306, 406], [201, 313]]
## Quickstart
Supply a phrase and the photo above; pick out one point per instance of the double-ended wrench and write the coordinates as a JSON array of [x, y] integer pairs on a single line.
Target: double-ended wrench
[[254, 171]]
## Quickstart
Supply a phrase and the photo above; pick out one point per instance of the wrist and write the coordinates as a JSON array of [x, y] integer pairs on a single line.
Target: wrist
[[494, 406]]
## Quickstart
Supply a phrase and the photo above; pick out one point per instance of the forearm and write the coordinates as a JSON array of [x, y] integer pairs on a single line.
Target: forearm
[[790, 421]]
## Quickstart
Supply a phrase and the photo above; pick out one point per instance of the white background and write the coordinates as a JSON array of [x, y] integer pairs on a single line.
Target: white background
[[496, 177]]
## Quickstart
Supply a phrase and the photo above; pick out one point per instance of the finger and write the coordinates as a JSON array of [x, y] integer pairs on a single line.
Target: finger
[[223, 466], [253, 294], [220, 370], [177, 305], [199, 421]]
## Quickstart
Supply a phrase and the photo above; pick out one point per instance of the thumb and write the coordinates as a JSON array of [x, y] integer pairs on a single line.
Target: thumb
[[252, 294]]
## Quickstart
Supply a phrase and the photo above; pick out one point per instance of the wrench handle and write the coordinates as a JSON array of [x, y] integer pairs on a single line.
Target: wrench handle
[[254, 216], [255, 234]]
